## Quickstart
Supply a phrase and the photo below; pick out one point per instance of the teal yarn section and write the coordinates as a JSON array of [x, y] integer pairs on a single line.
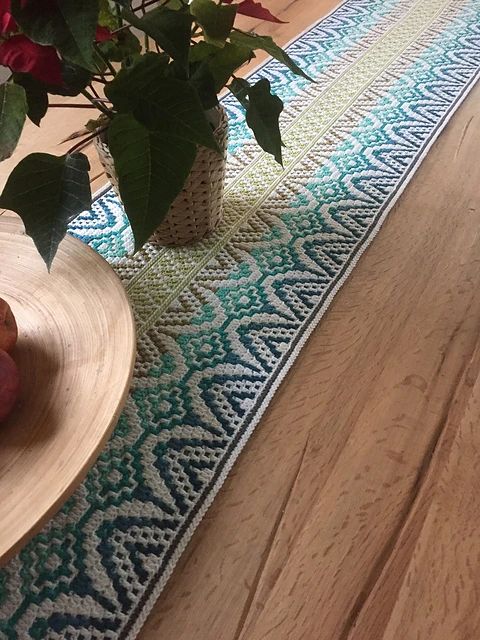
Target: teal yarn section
[[209, 364]]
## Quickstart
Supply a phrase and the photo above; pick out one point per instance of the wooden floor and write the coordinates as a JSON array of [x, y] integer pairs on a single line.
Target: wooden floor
[[354, 511]]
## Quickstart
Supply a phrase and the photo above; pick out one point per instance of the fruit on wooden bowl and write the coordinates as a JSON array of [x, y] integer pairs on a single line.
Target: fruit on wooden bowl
[[9, 384], [8, 327]]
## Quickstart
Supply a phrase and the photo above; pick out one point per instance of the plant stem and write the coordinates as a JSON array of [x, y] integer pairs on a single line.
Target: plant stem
[[74, 106], [94, 91], [96, 103], [107, 62], [148, 3], [83, 143], [122, 28]]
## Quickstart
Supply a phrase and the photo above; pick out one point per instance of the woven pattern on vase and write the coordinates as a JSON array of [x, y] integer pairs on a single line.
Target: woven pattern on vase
[[197, 210], [220, 323]]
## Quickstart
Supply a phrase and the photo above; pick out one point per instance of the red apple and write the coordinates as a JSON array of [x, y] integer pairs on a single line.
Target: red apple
[[8, 327], [9, 384]]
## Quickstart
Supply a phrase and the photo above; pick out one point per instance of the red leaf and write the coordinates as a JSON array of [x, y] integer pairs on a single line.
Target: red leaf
[[7, 22], [103, 34], [20, 54], [255, 10]]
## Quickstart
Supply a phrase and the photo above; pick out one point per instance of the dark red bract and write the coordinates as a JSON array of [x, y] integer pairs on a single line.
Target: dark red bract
[[20, 54], [254, 10], [103, 34], [7, 21]]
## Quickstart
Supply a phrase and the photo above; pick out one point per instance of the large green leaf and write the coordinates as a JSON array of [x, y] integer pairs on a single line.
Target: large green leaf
[[265, 43], [161, 104], [262, 116], [224, 62], [124, 90], [13, 111], [37, 97], [201, 51], [170, 29], [151, 168], [263, 111], [48, 192], [68, 25], [202, 80], [174, 106], [215, 19], [75, 80]]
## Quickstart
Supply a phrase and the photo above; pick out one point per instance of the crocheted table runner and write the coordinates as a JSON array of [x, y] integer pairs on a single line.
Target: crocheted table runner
[[220, 323]]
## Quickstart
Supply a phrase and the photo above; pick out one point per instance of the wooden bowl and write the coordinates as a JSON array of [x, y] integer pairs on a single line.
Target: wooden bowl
[[75, 352]]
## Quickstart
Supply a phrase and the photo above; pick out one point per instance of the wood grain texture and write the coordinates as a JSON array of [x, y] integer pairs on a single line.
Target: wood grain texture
[[353, 512], [75, 352]]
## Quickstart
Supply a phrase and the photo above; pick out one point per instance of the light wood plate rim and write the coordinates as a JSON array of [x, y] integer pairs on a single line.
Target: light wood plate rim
[[13, 225]]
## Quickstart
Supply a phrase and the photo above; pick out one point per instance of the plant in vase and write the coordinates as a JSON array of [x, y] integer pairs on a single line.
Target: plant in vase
[[160, 131]]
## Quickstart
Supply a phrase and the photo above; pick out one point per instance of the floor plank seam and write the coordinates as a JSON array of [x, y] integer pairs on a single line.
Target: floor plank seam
[[268, 548], [416, 491]]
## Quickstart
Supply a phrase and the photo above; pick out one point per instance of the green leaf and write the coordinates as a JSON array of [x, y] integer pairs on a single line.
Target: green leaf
[[107, 16], [68, 25], [239, 87], [174, 4], [265, 43], [263, 111], [215, 19], [224, 62], [75, 80], [200, 51], [13, 111], [126, 44], [130, 81], [48, 192], [202, 80], [174, 106], [36, 94], [151, 168], [170, 29], [161, 104]]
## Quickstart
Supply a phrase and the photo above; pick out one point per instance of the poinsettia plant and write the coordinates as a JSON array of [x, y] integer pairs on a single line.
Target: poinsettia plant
[[153, 71]]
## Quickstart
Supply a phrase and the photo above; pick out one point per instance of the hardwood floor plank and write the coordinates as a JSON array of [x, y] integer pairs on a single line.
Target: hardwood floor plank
[[430, 586]]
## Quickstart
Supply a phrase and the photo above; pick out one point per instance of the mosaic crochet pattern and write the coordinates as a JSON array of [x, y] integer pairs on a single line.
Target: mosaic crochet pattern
[[219, 324]]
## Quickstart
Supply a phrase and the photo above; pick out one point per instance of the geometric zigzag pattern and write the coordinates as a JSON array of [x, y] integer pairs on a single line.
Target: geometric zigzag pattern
[[220, 324]]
